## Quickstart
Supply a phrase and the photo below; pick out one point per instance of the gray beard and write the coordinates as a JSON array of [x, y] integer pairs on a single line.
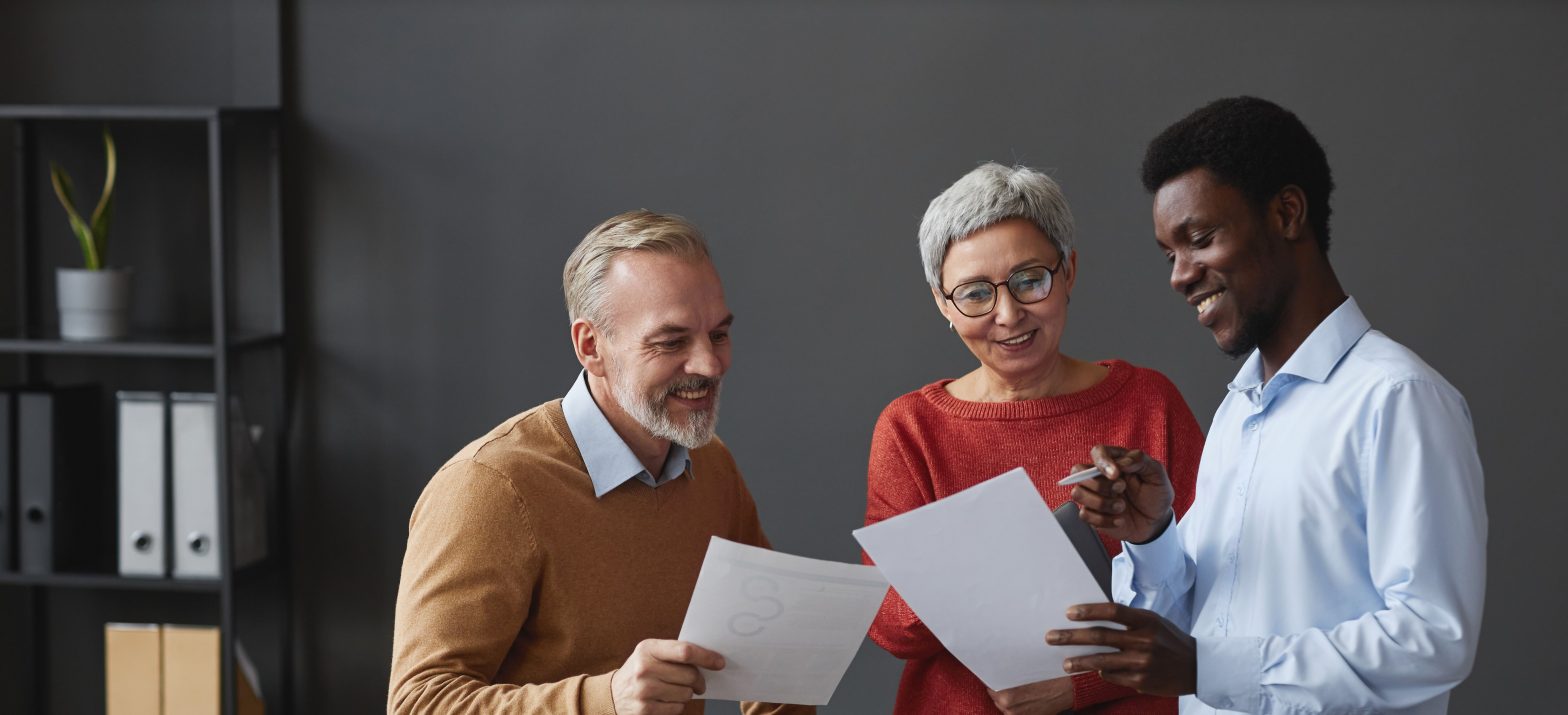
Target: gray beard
[[650, 411]]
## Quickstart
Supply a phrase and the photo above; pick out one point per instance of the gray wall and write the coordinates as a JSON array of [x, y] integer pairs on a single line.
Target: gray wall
[[446, 156]]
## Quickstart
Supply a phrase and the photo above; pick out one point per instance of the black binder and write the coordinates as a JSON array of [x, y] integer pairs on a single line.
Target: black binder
[[1087, 542], [7, 484], [65, 495]]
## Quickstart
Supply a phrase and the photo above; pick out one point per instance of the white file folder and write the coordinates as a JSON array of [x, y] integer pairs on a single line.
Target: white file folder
[[143, 475], [193, 423], [198, 536]]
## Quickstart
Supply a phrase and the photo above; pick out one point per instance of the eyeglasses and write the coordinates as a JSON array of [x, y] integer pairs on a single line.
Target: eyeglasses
[[1031, 284]]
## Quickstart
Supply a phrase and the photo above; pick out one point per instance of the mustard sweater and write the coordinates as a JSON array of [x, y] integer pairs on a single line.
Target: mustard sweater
[[521, 592]]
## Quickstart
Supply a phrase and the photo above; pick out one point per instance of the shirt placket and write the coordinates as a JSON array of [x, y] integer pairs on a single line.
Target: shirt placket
[[1236, 516]]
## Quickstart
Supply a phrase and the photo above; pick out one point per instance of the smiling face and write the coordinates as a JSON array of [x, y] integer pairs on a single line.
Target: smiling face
[[667, 346], [1227, 259], [1014, 340]]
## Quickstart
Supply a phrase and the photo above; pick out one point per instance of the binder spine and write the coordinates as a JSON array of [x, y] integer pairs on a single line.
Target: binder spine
[[193, 422], [66, 500], [35, 482], [143, 480], [8, 519]]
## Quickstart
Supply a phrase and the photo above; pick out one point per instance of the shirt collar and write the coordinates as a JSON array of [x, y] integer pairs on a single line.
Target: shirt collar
[[609, 460], [1316, 357]]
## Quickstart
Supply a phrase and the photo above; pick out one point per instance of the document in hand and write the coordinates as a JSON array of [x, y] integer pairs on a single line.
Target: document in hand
[[787, 626], [989, 571]]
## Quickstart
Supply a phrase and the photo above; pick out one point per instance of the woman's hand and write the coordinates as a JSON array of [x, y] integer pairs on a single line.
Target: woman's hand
[[1132, 498], [1047, 697]]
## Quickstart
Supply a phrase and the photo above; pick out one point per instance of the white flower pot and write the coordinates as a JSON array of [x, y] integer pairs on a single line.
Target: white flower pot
[[94, 305]]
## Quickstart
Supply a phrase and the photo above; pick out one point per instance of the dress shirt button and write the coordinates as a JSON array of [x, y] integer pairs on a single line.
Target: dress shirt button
[[1252, 426]]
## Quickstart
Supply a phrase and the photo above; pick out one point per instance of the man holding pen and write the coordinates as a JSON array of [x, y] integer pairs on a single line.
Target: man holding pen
[[1334, 559]]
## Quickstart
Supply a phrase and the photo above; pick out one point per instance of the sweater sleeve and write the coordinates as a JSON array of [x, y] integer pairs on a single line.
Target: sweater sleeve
[[1089, 689], [466, 587], [894, 486], [748, 530]]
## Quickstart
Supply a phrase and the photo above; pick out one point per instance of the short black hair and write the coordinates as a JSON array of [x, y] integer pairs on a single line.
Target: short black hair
[[1252, 144]]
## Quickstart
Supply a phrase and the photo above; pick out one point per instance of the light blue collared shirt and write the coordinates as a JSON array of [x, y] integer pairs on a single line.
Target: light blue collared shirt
[[609, 460], [1334, 559]]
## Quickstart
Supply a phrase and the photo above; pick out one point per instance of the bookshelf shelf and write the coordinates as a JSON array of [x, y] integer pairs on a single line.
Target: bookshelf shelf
[[105, 112], [149, 347], [110, 582]]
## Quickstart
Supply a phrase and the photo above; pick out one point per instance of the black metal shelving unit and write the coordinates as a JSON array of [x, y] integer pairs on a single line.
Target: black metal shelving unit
[[215, 351]]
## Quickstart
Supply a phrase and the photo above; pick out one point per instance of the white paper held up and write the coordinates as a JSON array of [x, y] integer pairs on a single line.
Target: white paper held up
[[989, 571], [787, 626]]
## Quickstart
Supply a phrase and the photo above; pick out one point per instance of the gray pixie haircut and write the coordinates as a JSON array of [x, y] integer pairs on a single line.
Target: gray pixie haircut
[[640, 230], [989, 195]]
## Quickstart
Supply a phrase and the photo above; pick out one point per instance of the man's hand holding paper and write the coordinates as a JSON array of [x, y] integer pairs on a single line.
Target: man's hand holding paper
[[787, 626]]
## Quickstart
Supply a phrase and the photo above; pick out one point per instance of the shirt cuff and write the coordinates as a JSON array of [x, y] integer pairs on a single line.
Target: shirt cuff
[[1157, 561], [1230, 673]]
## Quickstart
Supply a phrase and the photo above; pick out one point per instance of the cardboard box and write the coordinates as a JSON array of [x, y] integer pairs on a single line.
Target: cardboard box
[[133, 668]]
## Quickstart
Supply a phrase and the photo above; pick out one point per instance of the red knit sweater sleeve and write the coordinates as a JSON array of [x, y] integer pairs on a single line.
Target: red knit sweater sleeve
[[894, 486], [1089, 689]]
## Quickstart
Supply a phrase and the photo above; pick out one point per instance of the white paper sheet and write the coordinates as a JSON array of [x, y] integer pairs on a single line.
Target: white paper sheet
[[787, 626], [989, 571]]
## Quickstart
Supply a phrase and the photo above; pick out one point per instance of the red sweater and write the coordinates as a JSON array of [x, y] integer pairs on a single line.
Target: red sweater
[[929, 444]]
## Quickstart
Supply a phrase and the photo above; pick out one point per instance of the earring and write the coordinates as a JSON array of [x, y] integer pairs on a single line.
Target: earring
[[950, 326]]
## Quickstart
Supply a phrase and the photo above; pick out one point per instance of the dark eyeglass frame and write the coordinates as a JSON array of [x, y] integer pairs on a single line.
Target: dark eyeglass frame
[[1050, 275]]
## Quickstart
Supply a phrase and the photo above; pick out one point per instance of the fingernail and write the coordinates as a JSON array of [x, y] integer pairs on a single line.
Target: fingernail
[[1118, 507], [1074, 612], [1118, 487], [1067, 665], [1116, 522], [1052, 637]]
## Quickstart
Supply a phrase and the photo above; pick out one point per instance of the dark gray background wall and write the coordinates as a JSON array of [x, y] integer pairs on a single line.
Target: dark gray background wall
[[446, 156]]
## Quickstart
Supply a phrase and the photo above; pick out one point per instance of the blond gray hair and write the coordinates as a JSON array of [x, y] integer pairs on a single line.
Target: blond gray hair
[[989, 195], [640, 230]]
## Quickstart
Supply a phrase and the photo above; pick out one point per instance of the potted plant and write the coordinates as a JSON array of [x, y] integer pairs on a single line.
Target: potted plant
[[93, 299]]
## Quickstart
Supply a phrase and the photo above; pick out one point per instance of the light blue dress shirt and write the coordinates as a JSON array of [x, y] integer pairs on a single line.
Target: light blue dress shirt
[[610, 461], [1334, 559]]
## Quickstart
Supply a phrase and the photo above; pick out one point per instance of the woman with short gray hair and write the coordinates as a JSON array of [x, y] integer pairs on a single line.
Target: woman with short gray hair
[[999, 255]]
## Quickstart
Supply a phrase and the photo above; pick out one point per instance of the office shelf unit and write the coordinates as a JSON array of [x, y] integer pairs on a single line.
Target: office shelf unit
[[199, 195]]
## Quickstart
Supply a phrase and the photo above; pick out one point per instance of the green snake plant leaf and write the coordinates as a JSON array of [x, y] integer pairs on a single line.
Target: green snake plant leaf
[[84, 235], [65, 191], [105, 209]]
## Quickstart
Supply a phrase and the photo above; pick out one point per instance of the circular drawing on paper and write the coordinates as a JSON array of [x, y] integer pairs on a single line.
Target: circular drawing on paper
[[758, 589]]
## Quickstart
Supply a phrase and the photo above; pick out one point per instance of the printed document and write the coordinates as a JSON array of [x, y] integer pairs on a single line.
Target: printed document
[[787, 626], [989, 571]]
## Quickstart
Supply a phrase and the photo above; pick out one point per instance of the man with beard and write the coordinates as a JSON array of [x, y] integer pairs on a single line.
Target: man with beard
[[550, 560], [1334, 559]]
